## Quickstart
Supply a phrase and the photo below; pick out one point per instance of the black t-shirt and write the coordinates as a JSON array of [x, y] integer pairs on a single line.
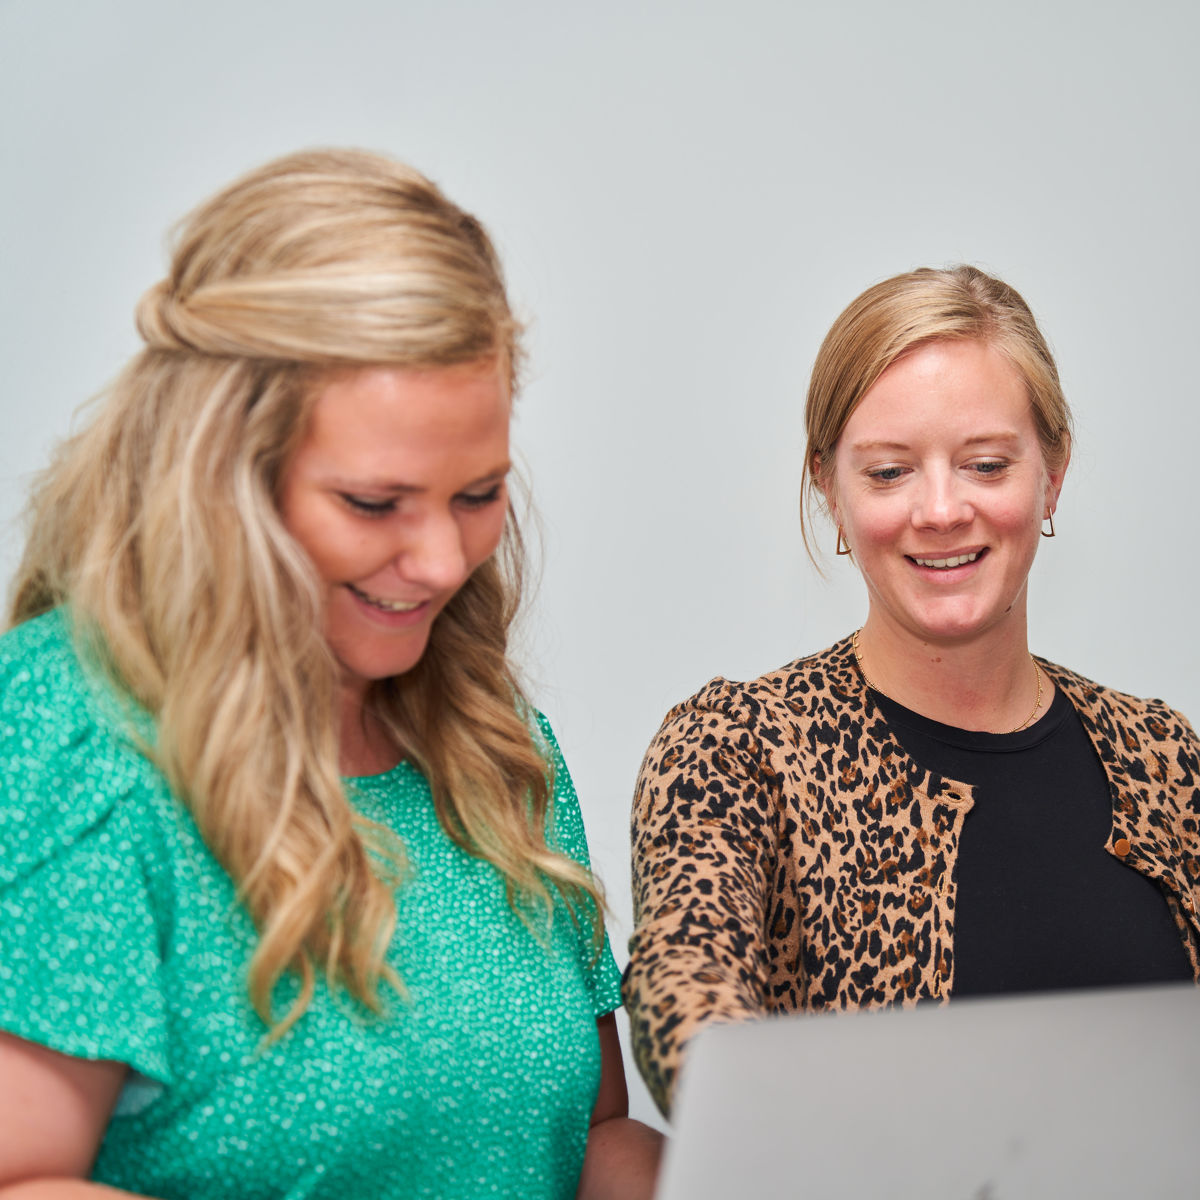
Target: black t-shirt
[[1040, 903]]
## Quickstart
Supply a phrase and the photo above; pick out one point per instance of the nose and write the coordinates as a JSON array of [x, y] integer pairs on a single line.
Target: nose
[[434, 555], [942, 501]]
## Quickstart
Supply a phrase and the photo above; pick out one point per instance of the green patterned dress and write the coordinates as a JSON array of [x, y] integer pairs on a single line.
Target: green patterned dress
[[120, 938]]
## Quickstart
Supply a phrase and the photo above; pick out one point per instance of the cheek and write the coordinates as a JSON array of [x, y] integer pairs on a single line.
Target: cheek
[[866, 518], [1021, 517], [879, 524], [332, 549], [484, 536]]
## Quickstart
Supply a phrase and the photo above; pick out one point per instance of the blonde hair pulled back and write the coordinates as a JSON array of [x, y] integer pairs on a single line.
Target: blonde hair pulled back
[[896, 316], [157, 525]]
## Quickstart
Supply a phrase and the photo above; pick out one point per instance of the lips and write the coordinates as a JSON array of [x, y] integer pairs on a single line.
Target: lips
[[948, 562], [384, 604]]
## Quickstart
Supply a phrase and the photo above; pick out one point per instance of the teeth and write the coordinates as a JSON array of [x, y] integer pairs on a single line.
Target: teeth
[[396, 606], [940, 563]]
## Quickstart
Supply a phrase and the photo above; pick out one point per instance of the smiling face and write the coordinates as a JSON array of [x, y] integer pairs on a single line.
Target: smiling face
[[397, 493], [940, 485]]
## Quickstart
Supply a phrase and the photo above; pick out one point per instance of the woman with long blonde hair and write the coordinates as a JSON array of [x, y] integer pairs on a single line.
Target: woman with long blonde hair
[[924, 810], [294, 891]]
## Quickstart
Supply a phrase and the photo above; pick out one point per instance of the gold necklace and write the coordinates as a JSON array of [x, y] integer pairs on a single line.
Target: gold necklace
[[876, 688]]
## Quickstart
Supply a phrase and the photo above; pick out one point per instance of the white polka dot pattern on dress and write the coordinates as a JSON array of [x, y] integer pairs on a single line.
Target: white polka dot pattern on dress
[[120, 938]]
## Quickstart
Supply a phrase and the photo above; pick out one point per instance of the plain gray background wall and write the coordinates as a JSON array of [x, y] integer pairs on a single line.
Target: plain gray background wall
[[685, 196]]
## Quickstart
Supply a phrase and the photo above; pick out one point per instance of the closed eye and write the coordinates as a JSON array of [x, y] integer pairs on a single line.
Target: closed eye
[[474, 500], [369, 508]]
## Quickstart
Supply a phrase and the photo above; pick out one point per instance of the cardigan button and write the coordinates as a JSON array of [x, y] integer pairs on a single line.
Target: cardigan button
[[1121, 847]]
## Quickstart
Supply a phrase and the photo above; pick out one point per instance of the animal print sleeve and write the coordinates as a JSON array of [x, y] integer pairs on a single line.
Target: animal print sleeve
[[704, 836]]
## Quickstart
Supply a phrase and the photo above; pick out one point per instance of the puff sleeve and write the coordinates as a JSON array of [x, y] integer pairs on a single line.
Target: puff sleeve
[[80, 968]]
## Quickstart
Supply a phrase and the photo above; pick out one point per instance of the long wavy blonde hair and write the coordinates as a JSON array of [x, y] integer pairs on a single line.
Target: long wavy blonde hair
[[157, 525]]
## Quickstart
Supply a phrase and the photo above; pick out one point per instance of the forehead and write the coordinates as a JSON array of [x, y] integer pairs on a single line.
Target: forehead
[[944, 386], [377, 420]]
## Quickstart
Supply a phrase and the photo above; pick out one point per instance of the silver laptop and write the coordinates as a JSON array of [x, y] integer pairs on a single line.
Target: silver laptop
[[1070, 1094]]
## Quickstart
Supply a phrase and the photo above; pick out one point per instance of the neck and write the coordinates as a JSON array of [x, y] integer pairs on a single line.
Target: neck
[[364, 746], [989, 684]]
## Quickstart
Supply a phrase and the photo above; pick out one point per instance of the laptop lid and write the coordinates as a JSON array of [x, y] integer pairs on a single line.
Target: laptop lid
[[1088, 1093]]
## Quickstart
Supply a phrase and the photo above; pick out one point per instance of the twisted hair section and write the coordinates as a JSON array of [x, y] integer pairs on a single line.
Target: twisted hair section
[[157, 525], [896, 316], [332, 257]]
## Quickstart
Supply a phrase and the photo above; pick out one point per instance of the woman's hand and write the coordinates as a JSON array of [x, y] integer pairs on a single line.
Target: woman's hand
[[54, 1110], [622, 1154]]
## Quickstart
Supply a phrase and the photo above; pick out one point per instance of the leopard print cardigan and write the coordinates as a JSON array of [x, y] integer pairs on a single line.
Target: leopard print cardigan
[[789, 856]]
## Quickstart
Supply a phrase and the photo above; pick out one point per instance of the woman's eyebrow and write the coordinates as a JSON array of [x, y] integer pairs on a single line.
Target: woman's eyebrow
[[381, 484], [1002, 436], [976, 439]]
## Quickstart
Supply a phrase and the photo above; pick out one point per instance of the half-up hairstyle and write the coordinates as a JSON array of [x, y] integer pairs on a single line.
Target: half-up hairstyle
[[157, 525], [898, 315]]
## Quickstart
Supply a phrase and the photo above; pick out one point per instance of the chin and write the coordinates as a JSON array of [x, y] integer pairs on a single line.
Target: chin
[[372, 668], [961, 627]]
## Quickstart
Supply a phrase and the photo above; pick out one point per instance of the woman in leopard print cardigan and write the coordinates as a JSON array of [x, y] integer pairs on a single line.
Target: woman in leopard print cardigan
[[925, 809]]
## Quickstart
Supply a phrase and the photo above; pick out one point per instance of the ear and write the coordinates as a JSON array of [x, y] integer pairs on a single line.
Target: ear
[[1054, 482], [825, 483]]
